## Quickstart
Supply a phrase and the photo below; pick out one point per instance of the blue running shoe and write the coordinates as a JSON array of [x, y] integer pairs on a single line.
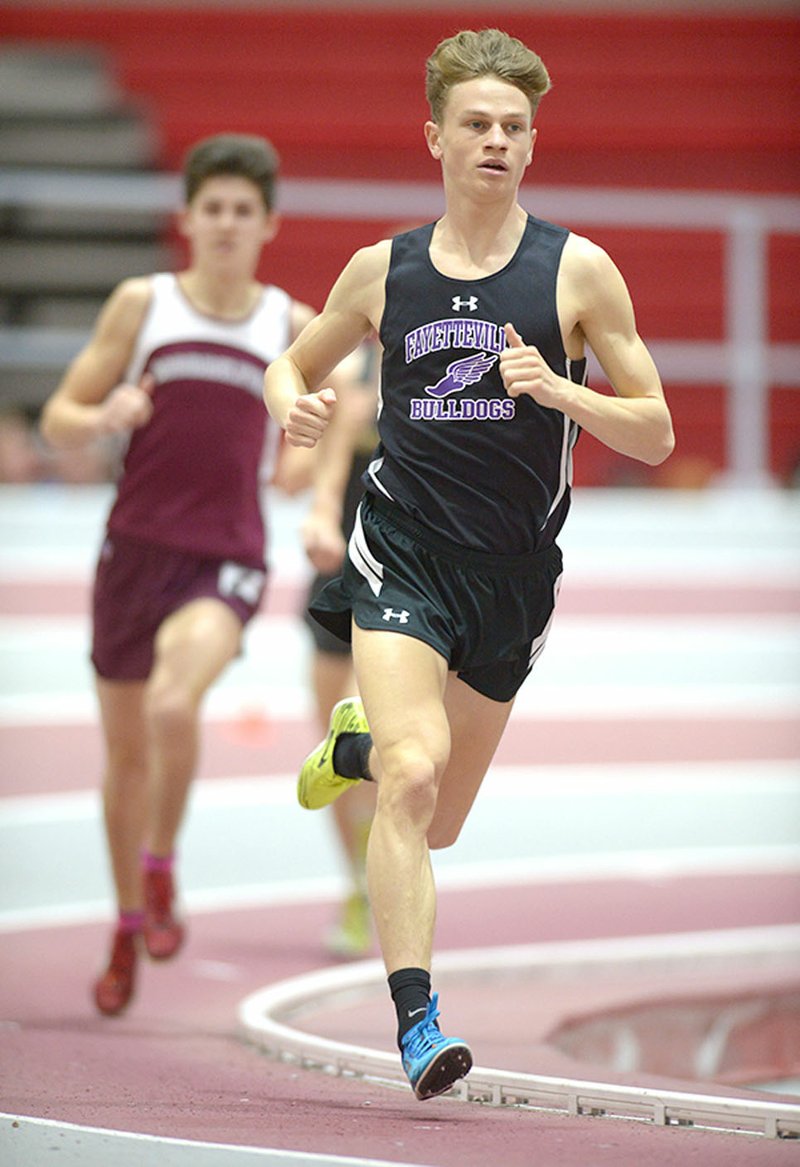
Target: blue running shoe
[[433, 1062]]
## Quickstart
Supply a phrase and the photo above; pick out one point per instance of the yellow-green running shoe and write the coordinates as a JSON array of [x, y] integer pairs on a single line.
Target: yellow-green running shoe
[[352, 936], [319, 784]]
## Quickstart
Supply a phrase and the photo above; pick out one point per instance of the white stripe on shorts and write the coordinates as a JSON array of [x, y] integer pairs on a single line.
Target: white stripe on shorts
[[362, 558], [538, 643]]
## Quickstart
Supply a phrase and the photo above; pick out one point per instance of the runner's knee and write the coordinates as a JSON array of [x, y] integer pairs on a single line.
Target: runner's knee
[[407, 787], [169, 710]]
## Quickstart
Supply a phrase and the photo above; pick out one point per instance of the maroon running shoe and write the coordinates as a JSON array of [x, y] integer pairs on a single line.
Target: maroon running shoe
[[163, 933], [114, 989]]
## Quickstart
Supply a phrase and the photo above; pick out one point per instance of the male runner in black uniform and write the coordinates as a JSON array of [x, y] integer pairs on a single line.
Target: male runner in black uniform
[[453, 569]]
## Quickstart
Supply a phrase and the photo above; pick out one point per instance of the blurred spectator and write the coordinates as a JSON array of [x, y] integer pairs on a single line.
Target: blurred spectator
[[24, 458]]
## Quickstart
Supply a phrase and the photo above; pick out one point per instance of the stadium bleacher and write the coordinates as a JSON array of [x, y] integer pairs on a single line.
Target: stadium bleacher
[[700, 102]]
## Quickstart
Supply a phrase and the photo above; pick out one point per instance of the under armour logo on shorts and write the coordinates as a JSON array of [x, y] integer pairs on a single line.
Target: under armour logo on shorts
[[401, 617]]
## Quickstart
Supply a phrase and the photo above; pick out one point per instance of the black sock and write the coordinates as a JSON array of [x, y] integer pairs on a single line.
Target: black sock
[[351, 755], [411, 993]]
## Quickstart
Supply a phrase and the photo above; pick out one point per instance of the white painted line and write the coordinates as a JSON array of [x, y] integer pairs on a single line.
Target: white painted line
[[26, 1141], [291, 704], [583, 868], [774, 630], [535, 782], [538, 701]]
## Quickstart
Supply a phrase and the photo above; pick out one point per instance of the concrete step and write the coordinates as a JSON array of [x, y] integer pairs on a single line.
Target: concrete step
[[27, 388], [33, 360], [41, 266], [65, 81], [112, 140], [54, 219], [52, 311]]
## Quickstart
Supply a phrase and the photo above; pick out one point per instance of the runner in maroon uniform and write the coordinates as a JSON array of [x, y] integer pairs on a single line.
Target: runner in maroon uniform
[[176, 364]]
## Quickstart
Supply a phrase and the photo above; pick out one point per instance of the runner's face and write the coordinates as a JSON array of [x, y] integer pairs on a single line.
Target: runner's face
[[227, 222], [485, 137]]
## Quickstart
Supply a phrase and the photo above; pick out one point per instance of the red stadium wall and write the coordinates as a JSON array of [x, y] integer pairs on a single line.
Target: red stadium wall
[[703, 102], [638, 99]]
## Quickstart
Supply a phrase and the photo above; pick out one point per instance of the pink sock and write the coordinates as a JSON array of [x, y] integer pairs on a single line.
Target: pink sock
[[157, 862], [130, 922]]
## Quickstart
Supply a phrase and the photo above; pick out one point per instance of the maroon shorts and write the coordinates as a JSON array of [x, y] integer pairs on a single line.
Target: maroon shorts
[[138, 585]]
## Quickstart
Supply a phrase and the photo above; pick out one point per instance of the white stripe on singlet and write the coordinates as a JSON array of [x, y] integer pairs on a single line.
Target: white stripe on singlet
[[373, 470], [569, 438]]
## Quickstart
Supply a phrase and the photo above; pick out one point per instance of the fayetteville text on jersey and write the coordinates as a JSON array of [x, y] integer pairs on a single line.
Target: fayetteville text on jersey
[[457, 333]]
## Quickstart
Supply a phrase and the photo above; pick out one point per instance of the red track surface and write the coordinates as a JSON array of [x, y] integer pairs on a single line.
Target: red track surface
[[177, 1066]]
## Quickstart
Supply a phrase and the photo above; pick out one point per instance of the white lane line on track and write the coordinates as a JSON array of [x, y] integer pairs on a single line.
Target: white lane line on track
[[576, 702], [502, 782], [546, 794], [26, 1141], [589, 868]]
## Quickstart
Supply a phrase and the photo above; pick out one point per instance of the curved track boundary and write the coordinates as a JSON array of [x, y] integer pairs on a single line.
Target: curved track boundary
[[264, 1017]]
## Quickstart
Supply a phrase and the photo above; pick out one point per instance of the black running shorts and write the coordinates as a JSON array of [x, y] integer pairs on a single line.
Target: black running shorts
[[324, 640], [487, 615]]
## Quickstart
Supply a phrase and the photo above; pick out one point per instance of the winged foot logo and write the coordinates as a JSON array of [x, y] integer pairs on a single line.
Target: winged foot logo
[[466, 371]]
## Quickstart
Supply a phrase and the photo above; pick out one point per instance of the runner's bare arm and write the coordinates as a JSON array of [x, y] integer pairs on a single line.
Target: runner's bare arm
[[595, 307], [299, 466], [91, 400], [353, 309], [321, 529]]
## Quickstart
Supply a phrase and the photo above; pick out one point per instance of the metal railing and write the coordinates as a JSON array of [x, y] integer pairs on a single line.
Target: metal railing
[[266, 1017], [745, 361]]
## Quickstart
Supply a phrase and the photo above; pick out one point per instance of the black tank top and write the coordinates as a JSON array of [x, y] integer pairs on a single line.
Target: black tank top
[[478, 467]]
